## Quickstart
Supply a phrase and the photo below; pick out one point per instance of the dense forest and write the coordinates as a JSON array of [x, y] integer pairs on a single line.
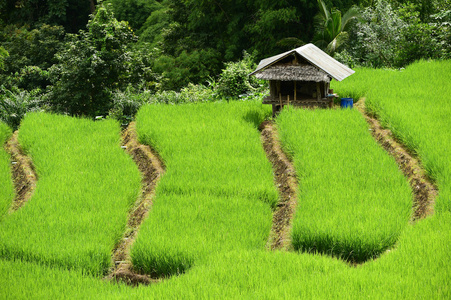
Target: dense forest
[[91, 57]]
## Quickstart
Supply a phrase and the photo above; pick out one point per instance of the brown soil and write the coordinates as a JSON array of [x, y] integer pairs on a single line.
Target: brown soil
[[285, 178], [23, 173], [423, 189], [151, 168]]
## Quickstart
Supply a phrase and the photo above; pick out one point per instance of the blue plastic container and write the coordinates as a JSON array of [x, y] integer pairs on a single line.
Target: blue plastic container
[[347, 102]]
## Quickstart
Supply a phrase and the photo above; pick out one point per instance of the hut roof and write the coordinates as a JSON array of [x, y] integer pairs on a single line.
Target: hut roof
[[290, 73], [313, 55]]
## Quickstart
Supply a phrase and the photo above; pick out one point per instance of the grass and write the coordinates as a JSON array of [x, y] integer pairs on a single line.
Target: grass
[[7, 189], [86, 186], [218, 189], [353, 200]]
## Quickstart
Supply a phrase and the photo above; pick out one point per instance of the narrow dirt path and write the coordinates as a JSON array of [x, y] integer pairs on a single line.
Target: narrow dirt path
[[151, 168], [23, 173], [285, 178], [423, 189]]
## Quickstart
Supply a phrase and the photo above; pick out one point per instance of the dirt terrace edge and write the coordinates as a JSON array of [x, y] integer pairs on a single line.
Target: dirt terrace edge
[[424, 191], [286, 182], [151, 168], [23, 173]]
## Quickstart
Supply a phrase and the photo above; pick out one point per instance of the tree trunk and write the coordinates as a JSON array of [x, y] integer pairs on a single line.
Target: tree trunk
[[92, 5]]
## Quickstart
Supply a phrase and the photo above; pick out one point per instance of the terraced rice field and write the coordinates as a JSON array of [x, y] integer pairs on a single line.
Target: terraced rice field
[[218, 190], [207, 231], [353, 200], [85, 188]]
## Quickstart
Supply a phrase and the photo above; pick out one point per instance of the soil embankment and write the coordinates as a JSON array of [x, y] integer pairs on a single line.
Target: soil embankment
[[285, 178], [424, 190], [23, 173], [151, 168]]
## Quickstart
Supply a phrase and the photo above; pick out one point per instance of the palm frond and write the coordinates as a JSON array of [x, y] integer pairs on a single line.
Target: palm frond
[[337, 42], [351, 14], [324, 12]]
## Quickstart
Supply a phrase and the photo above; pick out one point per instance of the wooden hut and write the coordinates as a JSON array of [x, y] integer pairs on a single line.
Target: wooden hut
[[301, 77]]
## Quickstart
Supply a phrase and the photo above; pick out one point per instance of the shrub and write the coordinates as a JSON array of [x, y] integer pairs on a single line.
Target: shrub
[[14, 106], [235, 80], [93, 64]]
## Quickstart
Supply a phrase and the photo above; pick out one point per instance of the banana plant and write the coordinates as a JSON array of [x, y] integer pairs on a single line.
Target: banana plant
[[331, 27]]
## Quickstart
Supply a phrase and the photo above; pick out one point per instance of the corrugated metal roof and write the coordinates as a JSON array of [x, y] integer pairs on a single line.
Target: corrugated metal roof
[[316, 57]]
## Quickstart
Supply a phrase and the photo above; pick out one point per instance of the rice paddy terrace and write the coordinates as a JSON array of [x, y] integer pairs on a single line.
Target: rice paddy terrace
[[211, 201]]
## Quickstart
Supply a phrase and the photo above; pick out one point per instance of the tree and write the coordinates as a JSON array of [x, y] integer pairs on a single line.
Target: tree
[[331, 27], [3, 54], [92, 64], [31, 53], [72, 14], [393, 37]]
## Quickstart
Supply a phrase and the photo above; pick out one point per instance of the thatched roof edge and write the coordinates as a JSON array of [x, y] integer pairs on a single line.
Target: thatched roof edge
[[293, 73]]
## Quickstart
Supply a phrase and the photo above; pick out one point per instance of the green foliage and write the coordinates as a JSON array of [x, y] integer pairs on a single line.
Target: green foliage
[[155, 27], [135, 12], [193, 66], [389, 37], [234, 83], [196, 37], [86, 186], [234, 80], [266, 31], [331, 28], [125, 104], [15, 105], [72, 14], [93, 64], [3, 55], [442, 30], [31, 53]]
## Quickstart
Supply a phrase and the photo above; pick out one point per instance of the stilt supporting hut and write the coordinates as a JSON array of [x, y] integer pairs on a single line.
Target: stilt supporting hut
[[301, 77]]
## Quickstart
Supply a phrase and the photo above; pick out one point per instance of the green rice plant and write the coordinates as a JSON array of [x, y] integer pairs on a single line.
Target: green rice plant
[[86, 186], [357, 85], [353, 201], [417, 269], [218, 189], [6, 184], [415, 104]]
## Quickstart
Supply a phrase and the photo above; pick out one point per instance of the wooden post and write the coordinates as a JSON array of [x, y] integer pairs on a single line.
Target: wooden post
[[280, 100], [295, 91], [288, 97], [318, 92]]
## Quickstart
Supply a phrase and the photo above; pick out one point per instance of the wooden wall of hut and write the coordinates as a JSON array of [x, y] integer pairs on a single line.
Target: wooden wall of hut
[[298, 90]]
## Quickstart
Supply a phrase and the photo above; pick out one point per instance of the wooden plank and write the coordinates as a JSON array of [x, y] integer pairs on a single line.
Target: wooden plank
[[318, 91], [295, 91]]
